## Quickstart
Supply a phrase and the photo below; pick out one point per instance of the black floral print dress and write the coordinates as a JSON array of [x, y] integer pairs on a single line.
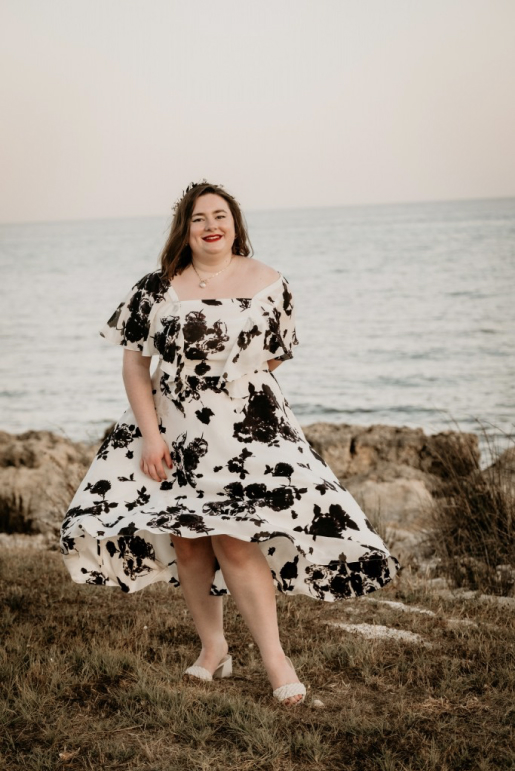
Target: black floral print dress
[[241, 463]]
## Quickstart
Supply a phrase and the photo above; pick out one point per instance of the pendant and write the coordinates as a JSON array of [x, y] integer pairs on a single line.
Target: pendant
[[202, 284]]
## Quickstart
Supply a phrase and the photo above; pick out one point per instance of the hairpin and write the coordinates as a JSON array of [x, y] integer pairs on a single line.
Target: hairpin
[[190, 187]]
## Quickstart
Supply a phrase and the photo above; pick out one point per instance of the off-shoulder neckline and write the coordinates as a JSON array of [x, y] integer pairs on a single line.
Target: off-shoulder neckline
[[221, 299]]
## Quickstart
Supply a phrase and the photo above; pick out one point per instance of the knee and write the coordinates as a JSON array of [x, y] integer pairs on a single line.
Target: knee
[[233, 550], [192, 552]]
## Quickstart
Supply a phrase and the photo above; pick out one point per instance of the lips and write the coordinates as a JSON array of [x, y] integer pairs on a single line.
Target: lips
[[212, 238]]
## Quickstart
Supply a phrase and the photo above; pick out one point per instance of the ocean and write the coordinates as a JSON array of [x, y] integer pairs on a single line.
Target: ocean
[[405, 315]]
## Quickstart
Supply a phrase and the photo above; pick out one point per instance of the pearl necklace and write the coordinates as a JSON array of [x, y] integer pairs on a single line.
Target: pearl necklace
[[203, 281]]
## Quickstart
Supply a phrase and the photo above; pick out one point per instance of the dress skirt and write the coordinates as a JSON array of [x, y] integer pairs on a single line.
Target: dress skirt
[[242, 465]]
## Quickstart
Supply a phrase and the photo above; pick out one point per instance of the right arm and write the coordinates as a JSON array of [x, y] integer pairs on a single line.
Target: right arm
[[138, 385]]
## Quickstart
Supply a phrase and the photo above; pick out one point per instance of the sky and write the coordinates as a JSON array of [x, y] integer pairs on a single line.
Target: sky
[[110, 108]]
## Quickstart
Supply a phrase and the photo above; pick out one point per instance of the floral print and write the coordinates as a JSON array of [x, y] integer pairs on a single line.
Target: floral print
[[241, 463]]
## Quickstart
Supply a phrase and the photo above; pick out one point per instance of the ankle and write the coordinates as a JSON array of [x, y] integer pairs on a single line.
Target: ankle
[[273, 657], [214, 645]]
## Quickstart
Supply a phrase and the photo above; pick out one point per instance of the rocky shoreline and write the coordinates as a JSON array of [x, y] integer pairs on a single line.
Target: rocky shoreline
[[395, 473]]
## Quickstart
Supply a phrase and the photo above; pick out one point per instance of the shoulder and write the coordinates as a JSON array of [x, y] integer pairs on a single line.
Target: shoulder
[[261, 272], [152, 283]]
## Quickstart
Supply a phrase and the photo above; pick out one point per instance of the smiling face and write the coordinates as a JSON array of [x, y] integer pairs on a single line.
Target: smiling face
[[212, 231]]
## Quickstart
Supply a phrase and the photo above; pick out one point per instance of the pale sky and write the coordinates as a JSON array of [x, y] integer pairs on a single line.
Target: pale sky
[[111, 107]]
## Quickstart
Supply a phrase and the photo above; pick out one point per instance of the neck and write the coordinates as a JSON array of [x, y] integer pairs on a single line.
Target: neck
[[212, 265]]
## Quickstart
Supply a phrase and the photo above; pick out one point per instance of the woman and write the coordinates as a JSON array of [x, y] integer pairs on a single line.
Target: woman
[[207, 480]]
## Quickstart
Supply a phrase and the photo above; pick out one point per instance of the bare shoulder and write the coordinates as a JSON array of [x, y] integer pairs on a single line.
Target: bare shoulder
[[260, 271]]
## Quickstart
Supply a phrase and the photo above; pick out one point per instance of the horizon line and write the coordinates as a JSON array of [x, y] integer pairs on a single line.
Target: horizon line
[[276, 209]]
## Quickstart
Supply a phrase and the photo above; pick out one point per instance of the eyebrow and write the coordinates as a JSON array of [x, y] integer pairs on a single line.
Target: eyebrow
[[198, 213]]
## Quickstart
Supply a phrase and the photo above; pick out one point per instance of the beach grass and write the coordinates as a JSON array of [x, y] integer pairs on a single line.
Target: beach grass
[[472, 522], [91, 678]]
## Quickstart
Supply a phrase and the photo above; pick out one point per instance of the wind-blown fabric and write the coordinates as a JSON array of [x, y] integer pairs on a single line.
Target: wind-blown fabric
[[242, 465]]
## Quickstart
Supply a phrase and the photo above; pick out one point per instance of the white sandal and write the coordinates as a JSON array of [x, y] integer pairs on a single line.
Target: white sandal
[[224, 669], [290, 689]]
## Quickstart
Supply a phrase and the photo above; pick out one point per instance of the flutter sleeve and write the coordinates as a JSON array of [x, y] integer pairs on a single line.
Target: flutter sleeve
[[282, 336], [129, 325]]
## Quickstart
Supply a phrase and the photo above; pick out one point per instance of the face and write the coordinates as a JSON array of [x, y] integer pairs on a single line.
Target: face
[[211, 217]]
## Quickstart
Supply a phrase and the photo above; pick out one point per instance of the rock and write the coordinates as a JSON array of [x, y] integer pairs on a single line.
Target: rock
[[400, 606], [39, 473], [403, 502], [501, 473], [380, 631], [394, 472], [411, 547], [352, 450], [505, 575], [469, 594]]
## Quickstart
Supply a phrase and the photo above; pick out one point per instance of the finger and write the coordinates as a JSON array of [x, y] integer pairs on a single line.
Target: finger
[[168, 458], [146, 468], [154, 473], [160, 470]]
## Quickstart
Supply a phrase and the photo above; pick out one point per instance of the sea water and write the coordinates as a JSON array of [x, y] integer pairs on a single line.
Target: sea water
[[405, 315]]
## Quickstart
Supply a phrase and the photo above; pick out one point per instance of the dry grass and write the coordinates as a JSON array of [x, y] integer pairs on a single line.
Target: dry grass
[[91, 679], [472, 527]]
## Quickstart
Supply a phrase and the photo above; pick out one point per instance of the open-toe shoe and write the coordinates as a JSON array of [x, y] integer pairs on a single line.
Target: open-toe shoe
[[224, 669], [290, 689]]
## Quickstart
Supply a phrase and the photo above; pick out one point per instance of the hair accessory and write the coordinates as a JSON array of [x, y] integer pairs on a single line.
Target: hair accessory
[[190, 187]]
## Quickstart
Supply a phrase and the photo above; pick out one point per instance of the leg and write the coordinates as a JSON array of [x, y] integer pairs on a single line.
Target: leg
[[250, 582], [196, 568]]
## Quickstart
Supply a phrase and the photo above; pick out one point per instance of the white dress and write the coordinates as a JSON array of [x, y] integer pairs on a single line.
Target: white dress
[[241, 463]]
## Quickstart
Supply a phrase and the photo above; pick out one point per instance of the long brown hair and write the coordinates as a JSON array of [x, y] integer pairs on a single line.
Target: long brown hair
[[176, 254]]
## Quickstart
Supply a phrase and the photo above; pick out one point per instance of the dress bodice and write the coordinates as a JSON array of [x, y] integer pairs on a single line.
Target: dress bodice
[[210, 330], [228, 337]]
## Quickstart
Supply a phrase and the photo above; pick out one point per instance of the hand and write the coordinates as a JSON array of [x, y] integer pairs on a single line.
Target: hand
[[152, 455]]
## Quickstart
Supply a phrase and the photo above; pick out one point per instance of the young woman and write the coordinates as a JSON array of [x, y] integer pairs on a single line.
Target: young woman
[[207, 480]]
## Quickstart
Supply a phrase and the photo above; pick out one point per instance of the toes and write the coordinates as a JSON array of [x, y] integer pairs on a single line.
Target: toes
[[291, 700]]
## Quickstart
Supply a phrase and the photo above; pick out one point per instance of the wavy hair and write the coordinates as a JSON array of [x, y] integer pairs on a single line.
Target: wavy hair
[[176, 254]]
